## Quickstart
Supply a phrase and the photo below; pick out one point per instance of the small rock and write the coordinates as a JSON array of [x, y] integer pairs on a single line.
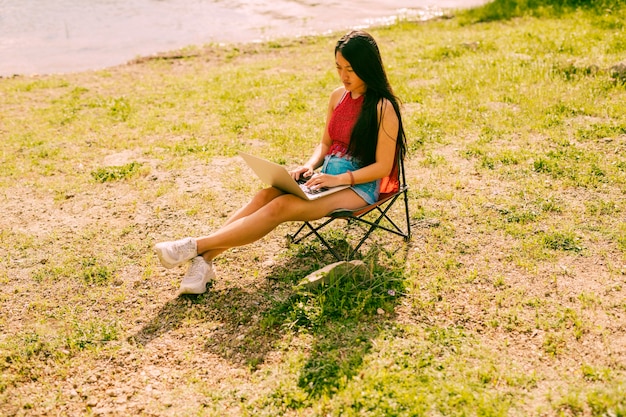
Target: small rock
[[334, 272], [102, 411], [618, 72], [471, 45]]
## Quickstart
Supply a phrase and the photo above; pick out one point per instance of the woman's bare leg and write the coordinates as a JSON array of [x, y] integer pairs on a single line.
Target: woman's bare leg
[[249, 225], [259, 200]]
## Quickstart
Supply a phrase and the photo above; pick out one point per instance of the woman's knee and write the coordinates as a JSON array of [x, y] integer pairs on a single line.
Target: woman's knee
[[266, 195], [281, 209], [291, 208]]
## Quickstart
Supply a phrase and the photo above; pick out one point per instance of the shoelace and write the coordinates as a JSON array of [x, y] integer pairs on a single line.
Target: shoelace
[[184, 248], [195, 271]]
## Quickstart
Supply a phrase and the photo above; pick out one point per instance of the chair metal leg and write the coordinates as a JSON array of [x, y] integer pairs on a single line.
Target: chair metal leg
[[382, 210], [313, 230], [408, 217]]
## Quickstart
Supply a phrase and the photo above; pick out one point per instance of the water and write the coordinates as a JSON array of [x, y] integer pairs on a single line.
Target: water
[[59, 36]]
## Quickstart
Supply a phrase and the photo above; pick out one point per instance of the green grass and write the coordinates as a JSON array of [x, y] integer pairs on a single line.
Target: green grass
[[509, 300], [116, 173]]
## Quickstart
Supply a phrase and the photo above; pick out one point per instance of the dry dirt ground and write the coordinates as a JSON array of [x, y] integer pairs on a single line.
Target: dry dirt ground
[[160, 346]]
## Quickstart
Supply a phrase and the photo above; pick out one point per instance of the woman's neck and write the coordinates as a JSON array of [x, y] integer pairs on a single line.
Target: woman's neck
[[354, 94]]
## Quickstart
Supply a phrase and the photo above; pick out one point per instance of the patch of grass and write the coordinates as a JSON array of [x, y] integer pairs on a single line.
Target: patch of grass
[[565, 241], [508, 9], [22, 356], [120, 109], [607, 401], [94, 273], [423, 379], [621, 237], [116, 173], [94, 333], [434, 160], [26, 355]]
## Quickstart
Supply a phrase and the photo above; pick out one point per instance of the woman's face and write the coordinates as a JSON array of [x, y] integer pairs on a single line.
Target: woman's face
[[348, 77]]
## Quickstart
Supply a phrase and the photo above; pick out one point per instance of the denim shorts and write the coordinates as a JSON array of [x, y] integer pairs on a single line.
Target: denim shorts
[[335, 165]]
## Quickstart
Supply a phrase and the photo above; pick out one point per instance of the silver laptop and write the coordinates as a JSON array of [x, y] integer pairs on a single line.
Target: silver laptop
[[278, 176]]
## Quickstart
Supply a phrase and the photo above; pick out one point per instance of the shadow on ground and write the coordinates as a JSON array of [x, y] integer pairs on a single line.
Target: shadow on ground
[[243, 325]]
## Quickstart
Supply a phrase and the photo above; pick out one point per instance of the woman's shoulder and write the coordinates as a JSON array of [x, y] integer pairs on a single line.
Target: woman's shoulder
[[384, 102], [386, 109], [387, 105], [384, 105], [336, 95]]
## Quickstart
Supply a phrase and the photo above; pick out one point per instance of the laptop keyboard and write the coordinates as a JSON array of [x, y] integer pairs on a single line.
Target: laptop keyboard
[[308, 190], [311, 190]]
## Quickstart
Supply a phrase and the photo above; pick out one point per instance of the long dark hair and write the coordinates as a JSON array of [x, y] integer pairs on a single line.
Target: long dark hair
[[360, 49]]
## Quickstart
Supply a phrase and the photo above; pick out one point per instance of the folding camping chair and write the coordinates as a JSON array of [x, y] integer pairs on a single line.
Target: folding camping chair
[[377, 216]]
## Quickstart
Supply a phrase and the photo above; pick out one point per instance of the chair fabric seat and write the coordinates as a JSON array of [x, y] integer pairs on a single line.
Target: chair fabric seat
[[347, 213]]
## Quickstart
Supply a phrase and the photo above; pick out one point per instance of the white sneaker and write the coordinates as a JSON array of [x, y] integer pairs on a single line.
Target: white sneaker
[[174, 253], [200, 273]]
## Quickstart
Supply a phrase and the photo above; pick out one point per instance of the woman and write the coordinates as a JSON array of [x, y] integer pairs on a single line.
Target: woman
[[362, 138]]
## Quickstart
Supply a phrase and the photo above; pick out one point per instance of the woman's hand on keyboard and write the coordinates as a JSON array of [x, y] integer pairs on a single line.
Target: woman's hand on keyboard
[[319, 181], [301, 172]]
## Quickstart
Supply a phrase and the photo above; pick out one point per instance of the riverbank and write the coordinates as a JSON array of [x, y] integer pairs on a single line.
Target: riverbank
[[66, 36], [509, 300]]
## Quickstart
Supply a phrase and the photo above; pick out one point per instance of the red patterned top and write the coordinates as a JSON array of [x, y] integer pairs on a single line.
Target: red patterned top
[[341, 123]]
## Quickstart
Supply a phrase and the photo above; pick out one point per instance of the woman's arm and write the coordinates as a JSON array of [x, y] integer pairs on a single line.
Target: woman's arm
[[385, 147]]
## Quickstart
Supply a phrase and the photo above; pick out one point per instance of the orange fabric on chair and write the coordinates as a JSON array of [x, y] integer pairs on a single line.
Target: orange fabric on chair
[[391, 183]]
